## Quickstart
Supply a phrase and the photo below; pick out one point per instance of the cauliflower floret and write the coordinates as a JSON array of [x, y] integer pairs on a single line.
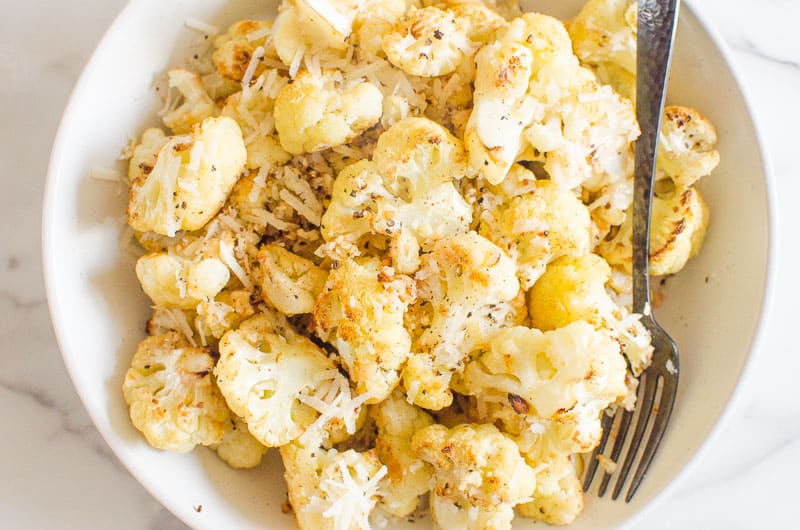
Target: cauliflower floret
[[225, 312], [538, 227], [189, 179], [238, 448], [677, 228], [479, 476], [174, 282], [360, 312], [172, 398], [253, 109], [405, 192], [331, 490], [264, 377], [469, 281], [319, 27], [686, 150], [533, 101], [236, 47], [604, 38], [558, 497], [194, 104], [317, 112], [375, 19], [555, 372], [427, 42], [408, 476], [290, 283], [573, 289]]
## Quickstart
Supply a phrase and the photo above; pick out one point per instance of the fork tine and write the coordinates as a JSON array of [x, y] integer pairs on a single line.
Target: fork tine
[[622, 435], [659, 427], [608, 422], [646, 407]]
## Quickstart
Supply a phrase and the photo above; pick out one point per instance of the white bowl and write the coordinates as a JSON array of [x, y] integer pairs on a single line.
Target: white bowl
[[712, 310]]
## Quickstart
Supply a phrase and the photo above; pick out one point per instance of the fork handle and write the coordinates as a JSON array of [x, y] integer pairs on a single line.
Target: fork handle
[[655, 35]]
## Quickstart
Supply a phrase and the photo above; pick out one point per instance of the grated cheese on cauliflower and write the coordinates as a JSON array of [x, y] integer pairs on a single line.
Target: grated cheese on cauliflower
[[369, 208]]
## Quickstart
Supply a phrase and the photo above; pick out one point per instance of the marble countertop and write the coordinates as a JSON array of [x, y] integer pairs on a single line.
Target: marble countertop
[[58, 472]]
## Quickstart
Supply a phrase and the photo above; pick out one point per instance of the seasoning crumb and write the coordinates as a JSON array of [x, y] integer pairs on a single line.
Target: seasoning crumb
[[198, 508], [286, 507]]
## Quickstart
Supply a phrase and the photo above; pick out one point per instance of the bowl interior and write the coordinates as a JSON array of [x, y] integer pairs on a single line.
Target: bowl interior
[[712, 308]]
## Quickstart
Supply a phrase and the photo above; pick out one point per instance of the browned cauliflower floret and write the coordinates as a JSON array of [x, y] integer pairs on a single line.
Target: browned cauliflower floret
[[331, 490], [236, 47], [558, 497], [686, 150], [604, 38], [320, 27], [408, 476], [181, 182], [555, 373], [171, 281], [317, 112], [469, 282], [193, 104], [573, 289], [360, 311], [405, 192], [171, 394], [225, 312], [677, 229], [265, 377], [479, 476], [238, 448], [290, 283], [537, 227], [533, 101], [253, 109], [427, 42]]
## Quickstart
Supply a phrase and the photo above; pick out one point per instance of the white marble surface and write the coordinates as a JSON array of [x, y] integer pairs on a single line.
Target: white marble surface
[[58, 473]]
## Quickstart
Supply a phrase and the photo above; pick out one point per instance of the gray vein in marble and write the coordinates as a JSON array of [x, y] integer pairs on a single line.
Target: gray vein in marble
[[67, 423], [749, 47]]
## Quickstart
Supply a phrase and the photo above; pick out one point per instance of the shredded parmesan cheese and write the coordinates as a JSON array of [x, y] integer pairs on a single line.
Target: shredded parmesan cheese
[[226, 254]]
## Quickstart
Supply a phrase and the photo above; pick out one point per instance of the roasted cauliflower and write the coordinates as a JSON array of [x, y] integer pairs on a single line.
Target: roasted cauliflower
[[264, 377], [331, 490], [604, 38], [533, 101], [538, 227], [253, 109], [193, 105], [469, 282], [236, 47], [172, 397], [238, 448], [174, 282], [360, 312], [408, 476], [317, 112], [319, 27], [574, 289], [478, 478], [404, 193], [181, 182], [555, 372], [677, 228], [686, 150], [558, 497], [290, 283]]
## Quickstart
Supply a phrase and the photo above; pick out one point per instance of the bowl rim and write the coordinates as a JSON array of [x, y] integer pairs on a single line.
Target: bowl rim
[[755, 346]]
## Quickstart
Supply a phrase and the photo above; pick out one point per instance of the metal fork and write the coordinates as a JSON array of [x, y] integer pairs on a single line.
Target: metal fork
[[656, 32]]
